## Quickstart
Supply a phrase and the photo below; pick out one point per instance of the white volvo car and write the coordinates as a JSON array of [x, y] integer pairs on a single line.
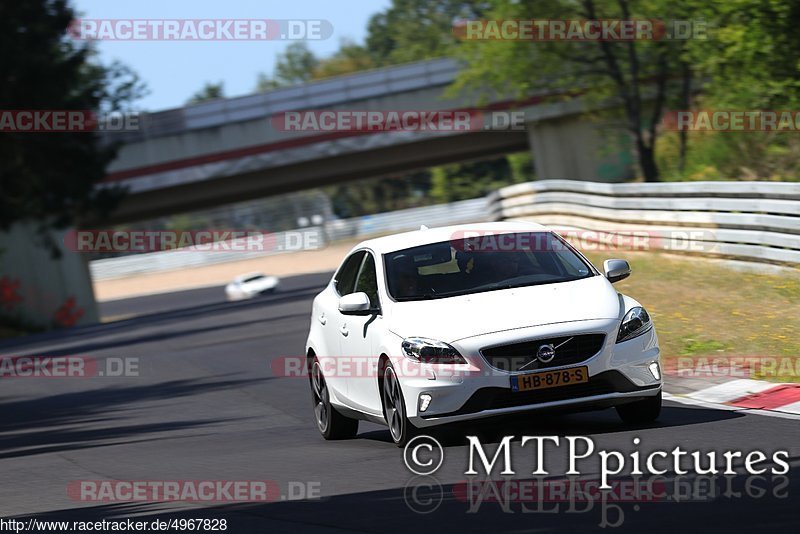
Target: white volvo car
[[459, 323]]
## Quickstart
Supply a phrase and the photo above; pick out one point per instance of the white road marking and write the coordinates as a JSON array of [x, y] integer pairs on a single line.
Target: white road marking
[[713, 405], [735, 389], [790, 408]]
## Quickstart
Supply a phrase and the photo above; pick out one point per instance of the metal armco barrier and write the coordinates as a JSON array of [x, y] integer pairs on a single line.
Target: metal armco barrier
[[748, 221]]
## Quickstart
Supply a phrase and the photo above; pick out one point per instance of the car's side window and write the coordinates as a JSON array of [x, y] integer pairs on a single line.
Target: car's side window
[[368, 281], [345, 278]]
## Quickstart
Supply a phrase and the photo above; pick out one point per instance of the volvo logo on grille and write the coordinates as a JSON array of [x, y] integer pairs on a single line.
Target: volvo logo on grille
[[546, 353]]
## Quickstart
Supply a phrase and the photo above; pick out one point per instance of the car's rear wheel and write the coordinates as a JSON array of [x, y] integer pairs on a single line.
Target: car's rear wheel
[[641, 412], [394, 408], [331, 424]]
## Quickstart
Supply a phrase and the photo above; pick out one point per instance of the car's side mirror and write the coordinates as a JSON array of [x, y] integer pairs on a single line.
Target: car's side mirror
[[354, 304], [616, 270]]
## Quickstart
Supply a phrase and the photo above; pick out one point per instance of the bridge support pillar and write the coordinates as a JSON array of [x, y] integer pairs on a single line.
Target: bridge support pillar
[[38, 291], [574, 148]]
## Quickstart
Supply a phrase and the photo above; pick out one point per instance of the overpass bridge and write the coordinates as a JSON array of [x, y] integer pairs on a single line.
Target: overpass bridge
[[227, 150]]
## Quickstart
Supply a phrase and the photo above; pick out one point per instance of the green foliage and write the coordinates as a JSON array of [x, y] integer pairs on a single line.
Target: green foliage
[[450, 183], [408, 30], [692, 346], [616, 74], [295, 65], [521, 165], [376, 195], [752, 58], [447, 183], [751, 61], [350, 57], [210, 91], [771, 156], [48, 177], [411, 30]]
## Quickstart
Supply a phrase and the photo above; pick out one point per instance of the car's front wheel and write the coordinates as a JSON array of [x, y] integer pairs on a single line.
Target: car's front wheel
[[331, 424], [394, 408], [641, 412]]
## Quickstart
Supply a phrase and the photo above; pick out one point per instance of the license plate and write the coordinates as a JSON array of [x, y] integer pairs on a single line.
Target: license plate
[[550, 379]]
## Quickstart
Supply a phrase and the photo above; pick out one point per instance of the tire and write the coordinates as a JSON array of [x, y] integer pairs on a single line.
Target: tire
[[330, 423], [394, 409], [641, 412]]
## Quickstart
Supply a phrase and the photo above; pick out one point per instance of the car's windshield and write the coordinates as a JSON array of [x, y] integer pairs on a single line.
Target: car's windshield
[[485, 263]]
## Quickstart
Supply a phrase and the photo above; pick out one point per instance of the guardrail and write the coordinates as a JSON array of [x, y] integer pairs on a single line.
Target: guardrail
[[749, 221], [283, 242], [310, 95]]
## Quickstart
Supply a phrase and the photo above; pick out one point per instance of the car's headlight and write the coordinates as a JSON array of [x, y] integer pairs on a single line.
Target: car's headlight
[[424, 350], [635, 323]]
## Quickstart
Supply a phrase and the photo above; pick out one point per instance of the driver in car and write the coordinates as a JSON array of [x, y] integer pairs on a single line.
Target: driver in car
[[407, 278]]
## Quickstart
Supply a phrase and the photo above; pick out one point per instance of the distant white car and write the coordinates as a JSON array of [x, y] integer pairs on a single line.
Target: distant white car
[[431, 327], [250, 285]]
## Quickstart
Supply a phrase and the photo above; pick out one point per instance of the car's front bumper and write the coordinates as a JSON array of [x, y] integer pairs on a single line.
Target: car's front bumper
[[619, 373]]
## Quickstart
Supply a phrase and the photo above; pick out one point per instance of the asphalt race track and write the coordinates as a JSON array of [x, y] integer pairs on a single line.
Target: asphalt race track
[[207, 406]]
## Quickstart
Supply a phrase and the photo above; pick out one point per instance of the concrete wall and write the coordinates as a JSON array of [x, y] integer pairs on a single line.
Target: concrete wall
[[38, 290], [576, 148]]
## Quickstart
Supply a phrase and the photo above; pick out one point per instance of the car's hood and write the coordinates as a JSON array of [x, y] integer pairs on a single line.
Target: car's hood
[[453, 318]]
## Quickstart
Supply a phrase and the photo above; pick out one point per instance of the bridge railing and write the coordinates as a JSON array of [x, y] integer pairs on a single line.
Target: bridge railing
[[311, 95], [749, 221]]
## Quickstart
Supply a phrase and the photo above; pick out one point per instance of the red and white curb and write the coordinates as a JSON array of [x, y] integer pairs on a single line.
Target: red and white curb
[[765, 398]]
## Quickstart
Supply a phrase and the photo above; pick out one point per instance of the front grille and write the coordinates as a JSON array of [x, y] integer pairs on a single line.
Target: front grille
[[523, 356], [494, 398]]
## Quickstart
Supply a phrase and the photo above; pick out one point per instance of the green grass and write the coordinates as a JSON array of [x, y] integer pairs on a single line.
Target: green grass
[[703, 309]]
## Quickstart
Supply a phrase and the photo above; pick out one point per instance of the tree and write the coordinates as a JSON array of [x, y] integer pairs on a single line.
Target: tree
[[210, 91], [749, 62], [622, 71], [752, 60], [411, 30], [351, 57], [50, 177], [295, 65], [463, 181], [298, 65]]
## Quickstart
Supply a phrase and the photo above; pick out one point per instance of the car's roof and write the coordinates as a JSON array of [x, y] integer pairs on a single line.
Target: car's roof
[[247, 275], [391, 243]]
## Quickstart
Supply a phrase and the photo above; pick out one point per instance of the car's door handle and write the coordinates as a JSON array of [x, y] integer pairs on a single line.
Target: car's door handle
[[344, 330], [321, 318]]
